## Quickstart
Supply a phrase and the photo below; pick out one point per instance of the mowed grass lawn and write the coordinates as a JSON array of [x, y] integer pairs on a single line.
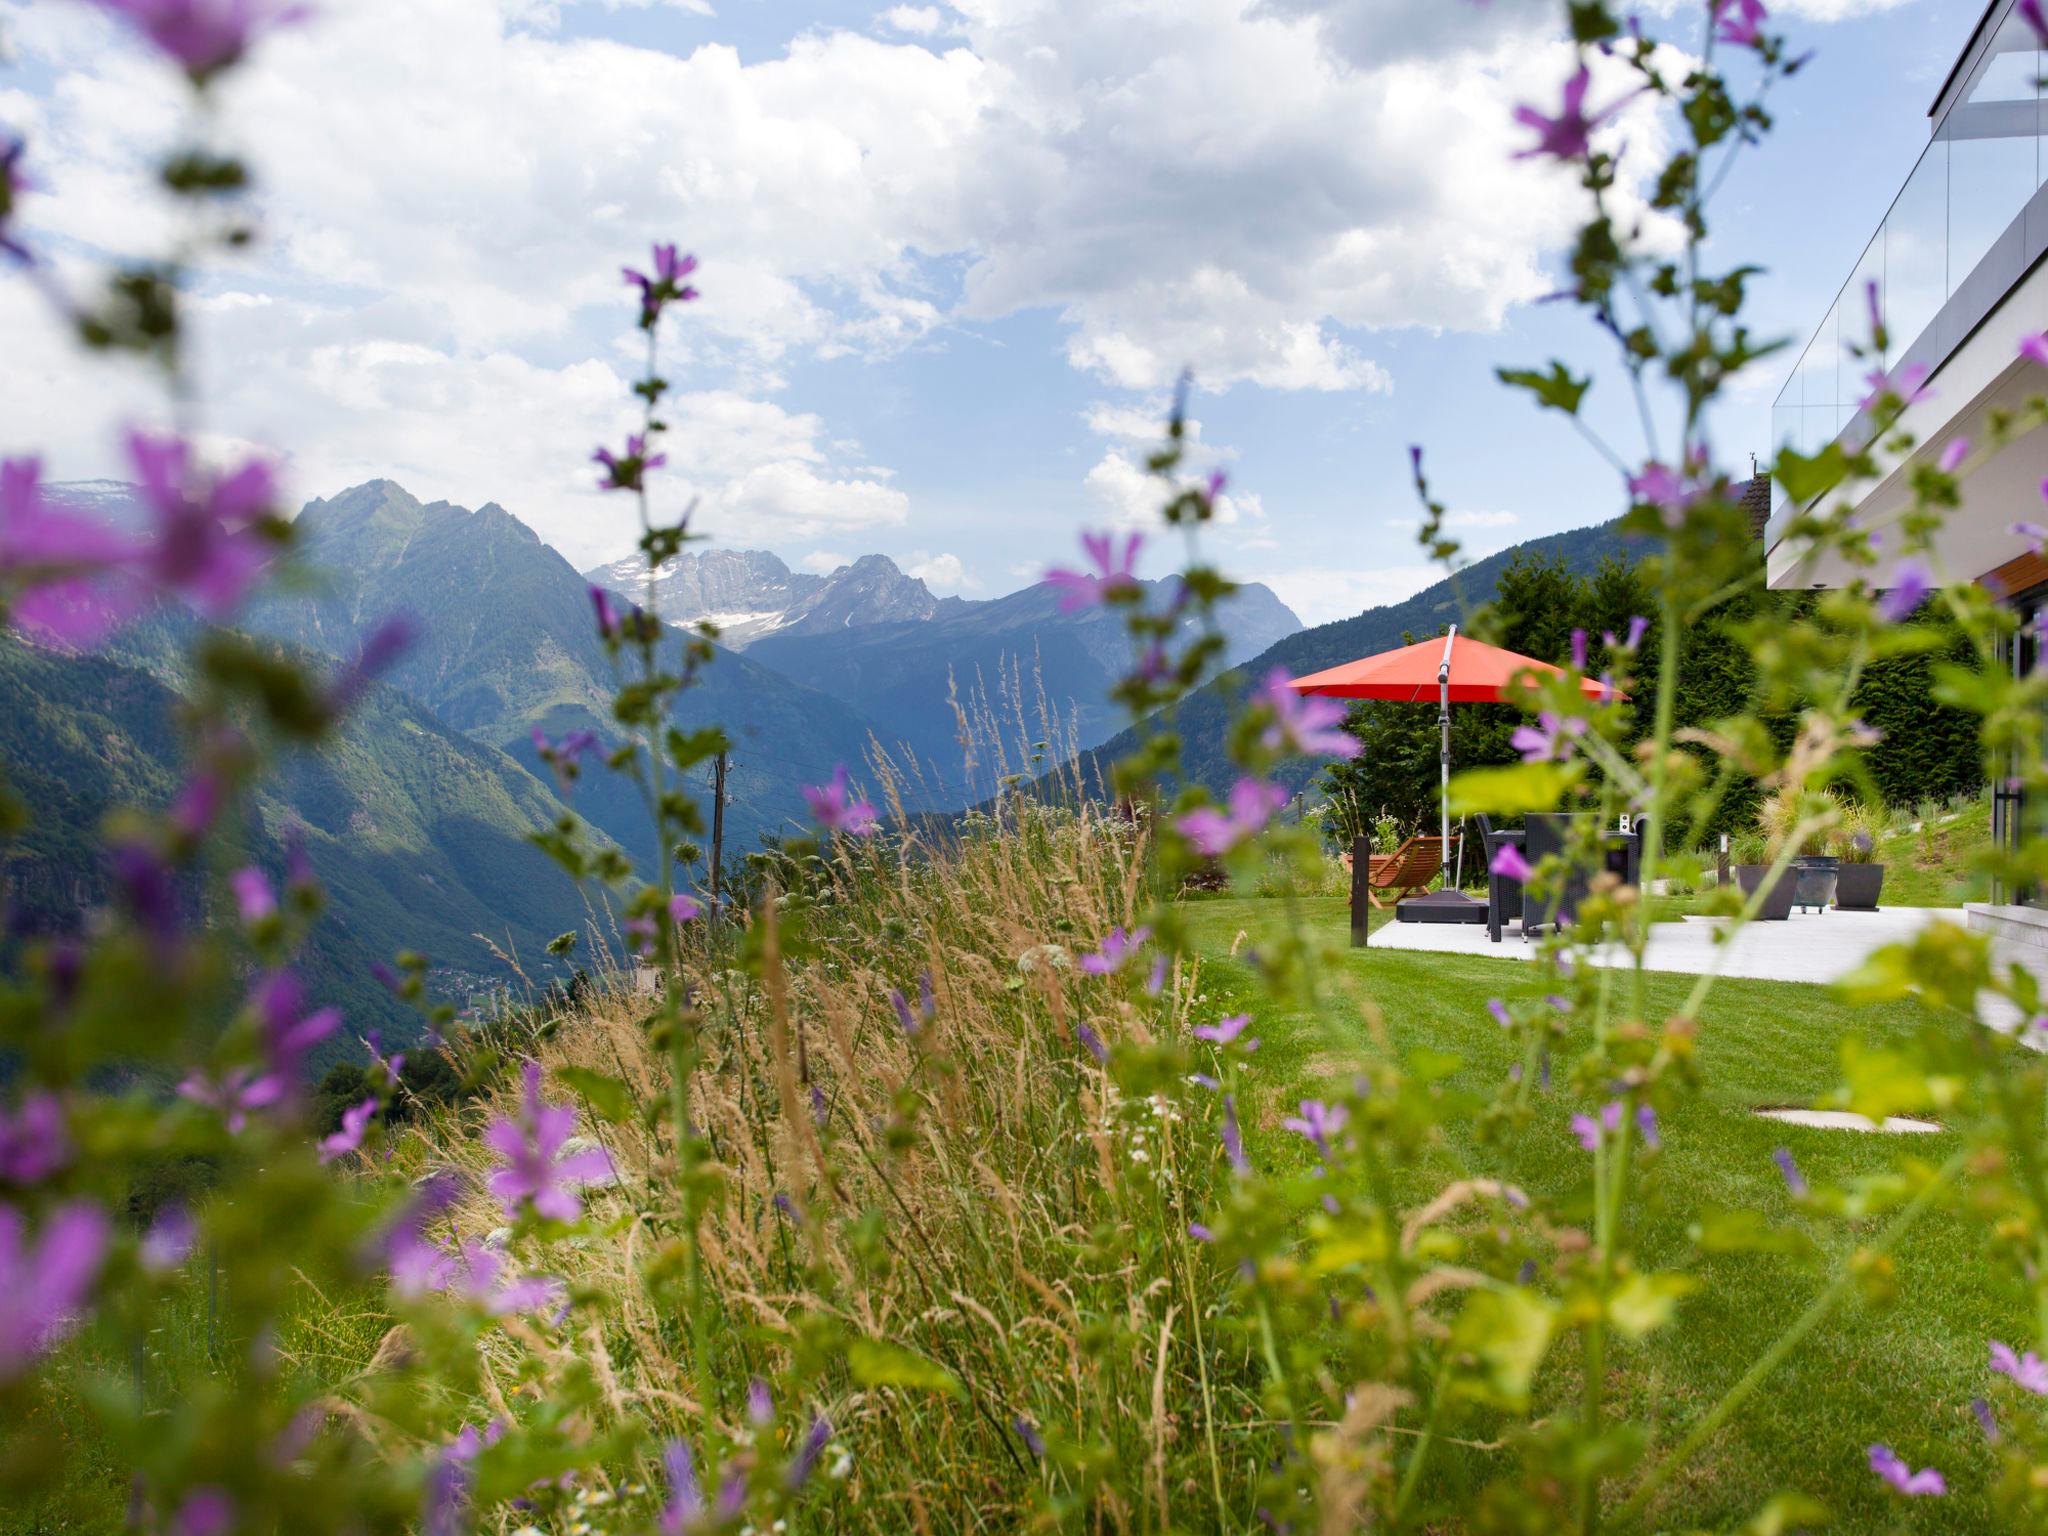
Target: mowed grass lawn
[[1903, 1373]]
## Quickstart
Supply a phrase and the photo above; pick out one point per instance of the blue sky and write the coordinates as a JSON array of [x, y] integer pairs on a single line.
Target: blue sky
[[953, 256]]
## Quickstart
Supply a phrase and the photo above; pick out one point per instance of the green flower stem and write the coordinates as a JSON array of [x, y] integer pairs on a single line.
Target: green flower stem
[[1816, 1311]]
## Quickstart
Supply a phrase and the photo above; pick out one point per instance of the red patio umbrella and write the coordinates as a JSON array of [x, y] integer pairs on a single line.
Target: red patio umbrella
[[1457, 669]]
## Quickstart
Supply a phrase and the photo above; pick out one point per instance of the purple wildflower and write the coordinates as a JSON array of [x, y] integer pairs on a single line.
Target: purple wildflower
[[1566, 136], [1500, 1013], [1952, 456], [760, 1404], [1578, 650], [1117, 947], [2034, 345], [354, 1122], [1111, 579], [1232, 1137], [683, 909], [1224, 1030], [1252, 804], [535, 1170], [1907, 384], [1795, 1181], [289, 1032], [1509, 864], [33, 1142], [1028, 1433], [607, 615], [1318, 1122], [1673, 492], [1738, 21], [1638, 626], [836, 810], [627, 471], [1587, 1129], [445, 1497], [1885, 1462], [210, 546], [2028, 1370], [564, 756], [1200, 1233], [168, 1241], [236, 1094], [254, 899], [1093, 1042], [1646, 1124], [2035, 534], [204, 37], [807, 1454], [1911, 582], [43, 1285], [685, 1493], [1986, 1419], [665, 286], [1549, 739], [1304, 724], [75, 579], [390, 640], [477, 1273], [205, 1511]]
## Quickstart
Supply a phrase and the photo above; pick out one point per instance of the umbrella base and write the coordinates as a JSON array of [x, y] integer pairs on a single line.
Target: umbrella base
[[1440, 907]]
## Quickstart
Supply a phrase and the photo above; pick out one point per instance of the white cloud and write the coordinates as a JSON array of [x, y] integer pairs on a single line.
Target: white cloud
[[1133, 495], [918, 20], [943, 573], [823, 562], [1319, 595]]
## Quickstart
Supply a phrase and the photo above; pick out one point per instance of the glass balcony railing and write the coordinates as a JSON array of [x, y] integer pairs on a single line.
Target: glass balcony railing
[[1969, 223]]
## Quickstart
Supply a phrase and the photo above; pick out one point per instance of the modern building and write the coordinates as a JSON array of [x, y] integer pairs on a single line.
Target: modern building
[[1959, 271]]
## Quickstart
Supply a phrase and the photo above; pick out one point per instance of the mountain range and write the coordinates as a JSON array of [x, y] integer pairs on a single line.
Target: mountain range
[[750, 593]]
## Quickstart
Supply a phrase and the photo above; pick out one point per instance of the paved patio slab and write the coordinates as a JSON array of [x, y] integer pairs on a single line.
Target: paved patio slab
[[1816, 947]]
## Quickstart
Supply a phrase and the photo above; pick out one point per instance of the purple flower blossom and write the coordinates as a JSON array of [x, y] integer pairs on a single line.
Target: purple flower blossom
[[235, 1094], [210, 546], [1566, 136], [1223, 1031], [2028, 1370], [1112, 577], [1589, 1130], [289, 1032], [536, 1171], [1638, 626], [1646, 1124], [254, 899], [1737, 21], [205, 1511], [1909, 384], [665, 286], [1673, 492], [1200, 1233], [564, 756], [390, 640], [1232, 1137], [2035, 534], [445, 1498], [168, 1241], [1028, 1433], [74, 580], [1910, 584], [1952, 456], [834, 808], [2034, 345], [1795, 1181], [1500, 1013], [354, 1122], [760, 1403], [204, 37], [1884, 1461], [685, 1493], [1318, 1122], [1093, 1042], [478, 1273], [44, 1284], [1156, 982], [627, 471], [1117, 947], [1549, 739], [33, 1141], [607, 615], [807, 1454], [1252, 804], [1509, 864], [1986, 1419], [1303, 724], [683, 909]]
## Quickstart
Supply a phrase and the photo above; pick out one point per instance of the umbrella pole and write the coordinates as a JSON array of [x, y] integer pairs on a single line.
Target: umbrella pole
[[1443, 720]]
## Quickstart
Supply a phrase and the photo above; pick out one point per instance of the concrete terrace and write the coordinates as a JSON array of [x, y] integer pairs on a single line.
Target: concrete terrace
[[1818, 947]]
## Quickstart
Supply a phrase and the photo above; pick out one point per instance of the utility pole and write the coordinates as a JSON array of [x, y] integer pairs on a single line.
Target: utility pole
[[717, 828]]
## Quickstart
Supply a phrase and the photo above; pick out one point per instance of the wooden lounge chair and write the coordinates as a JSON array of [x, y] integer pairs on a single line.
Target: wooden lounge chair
[[1408, 870]]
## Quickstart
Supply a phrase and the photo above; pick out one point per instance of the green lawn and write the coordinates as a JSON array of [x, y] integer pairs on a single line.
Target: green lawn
[[1903, 1374]]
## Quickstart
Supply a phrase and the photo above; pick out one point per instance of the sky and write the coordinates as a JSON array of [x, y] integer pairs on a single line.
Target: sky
[[953, 257]]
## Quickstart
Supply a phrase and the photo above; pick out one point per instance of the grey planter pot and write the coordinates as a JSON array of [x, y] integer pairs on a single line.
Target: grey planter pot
[[1778, 903], [1857, 887], [1814, 885]]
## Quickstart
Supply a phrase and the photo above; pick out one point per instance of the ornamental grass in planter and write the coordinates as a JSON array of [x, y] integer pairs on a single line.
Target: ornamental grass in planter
[[1860, 879]]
